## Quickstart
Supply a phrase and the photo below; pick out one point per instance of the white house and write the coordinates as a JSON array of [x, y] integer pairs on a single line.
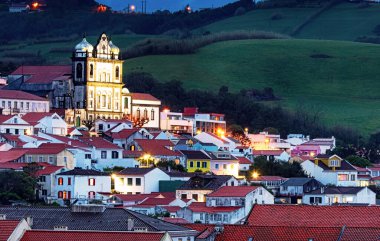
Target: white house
[[223, 163], [81, 184], [207, 137], [175, 122], [139, 180], [272, 154], [13, 124], [331, 170], [146, 106], [343, 195], [244, 163], [103, 125], [46, 181], [20, 102], [292, 190], [50, 123]]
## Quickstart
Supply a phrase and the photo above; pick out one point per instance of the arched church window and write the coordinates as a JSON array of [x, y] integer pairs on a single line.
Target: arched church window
[[146, 114], [117, 72], [79, 70], [91, 70]]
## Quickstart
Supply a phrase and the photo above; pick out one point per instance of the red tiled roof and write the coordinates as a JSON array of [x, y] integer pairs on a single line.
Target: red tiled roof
[[100, 143], [155, 201], [172, 209], [243, 233], [123, 134], [43, 74], [270, 178], [47, 148], [35, 235], [143, 96], [233, 191], [267, 152], [157, 147], [175, 220], [19, 95], [34, 117], [4, 118], [200, 207], [11, 155], [314, 216], [244, 160], [47, 170], [12, 165], [134, 197], [6, 228], [355, 234]]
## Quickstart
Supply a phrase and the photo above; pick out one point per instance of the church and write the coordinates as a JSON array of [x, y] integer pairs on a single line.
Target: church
[[94, 89]]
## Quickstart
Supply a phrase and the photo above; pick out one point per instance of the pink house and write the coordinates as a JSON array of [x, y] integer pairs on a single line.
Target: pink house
[[306, 150]]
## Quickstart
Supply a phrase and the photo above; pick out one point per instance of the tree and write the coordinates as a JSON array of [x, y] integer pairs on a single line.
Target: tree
[[358, 161], [172, 165], [16, 186]]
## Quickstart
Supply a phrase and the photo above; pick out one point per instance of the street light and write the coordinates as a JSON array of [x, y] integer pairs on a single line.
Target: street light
[[255, 175]]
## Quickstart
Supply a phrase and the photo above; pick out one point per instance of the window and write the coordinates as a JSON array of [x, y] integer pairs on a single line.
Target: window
[[15, 104], [130, 181], [29, 159], [115, 154], [117, 72], [60, 181], [104, 154], [87, 156], [145, 114], [91, 70], [216, 166], [44, 192], [260, 191], [352, 177], [334, 163], [342, 177], [152, 114], [42, 179], [60, 194], [198, 164], [27, 105], [69, 181], [204, 164], [125, 102], [91, 182], [195, 197], [138, 114], [79, 70], [191, 164], [184, 196], [9, 104], [224, 166], [100, 127], [138, 181], [16, 131], [91, 195], [201, 216], [3, 104]]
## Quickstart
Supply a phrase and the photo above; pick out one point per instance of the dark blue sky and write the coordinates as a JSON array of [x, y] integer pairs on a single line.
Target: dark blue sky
[[172, 5]]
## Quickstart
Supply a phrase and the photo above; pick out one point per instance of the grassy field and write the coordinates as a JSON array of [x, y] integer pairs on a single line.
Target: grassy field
[[345, 21], [48, 50], [339, 78]]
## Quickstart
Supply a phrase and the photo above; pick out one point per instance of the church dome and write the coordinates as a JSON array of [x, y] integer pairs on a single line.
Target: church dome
[[84, 46], [125, 91], [114, 48]]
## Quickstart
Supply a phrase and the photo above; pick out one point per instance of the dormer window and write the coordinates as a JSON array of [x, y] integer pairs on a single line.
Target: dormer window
[[334, 163]]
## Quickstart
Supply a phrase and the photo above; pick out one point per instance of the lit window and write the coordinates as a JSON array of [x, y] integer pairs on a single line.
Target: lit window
[[343, 177], [152, 114], [91, 182], [91, 195], [60, 181], [60, 194]]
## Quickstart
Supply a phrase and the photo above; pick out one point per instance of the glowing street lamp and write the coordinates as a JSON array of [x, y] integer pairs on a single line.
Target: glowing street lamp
[[35, 5], [255, 175], [113, 176], [133, 8]]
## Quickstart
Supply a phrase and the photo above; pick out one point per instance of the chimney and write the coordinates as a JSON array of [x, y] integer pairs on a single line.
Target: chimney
[[219, 228], [322, 189], [131, 224], [61, 228], [3, 217], [29, 220]]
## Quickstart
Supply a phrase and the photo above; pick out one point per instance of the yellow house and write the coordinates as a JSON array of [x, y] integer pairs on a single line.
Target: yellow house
[[197, 160], [332, 161]]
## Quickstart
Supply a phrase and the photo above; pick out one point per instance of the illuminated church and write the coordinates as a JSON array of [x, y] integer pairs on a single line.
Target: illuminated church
[[98, 86]]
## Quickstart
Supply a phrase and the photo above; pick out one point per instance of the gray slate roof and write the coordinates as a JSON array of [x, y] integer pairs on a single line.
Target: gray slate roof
[[112, 219], [83, 172], [337, 190], [205, 182], [296, 181]]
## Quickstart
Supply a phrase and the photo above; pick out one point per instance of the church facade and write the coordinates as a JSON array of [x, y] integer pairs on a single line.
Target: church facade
[[98, 86]]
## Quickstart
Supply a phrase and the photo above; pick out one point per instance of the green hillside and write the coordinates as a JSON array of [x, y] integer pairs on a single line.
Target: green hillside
[[346, 21], [339, 78]]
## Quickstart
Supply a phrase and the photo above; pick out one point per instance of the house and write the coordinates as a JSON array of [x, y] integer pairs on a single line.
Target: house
[[13, 124], [53, 153], [82, 185], [175, 122], [50, 123], [13, 156], [146, 106], [331, 169], [228, 205], [292, 190], [123, 138], [306, 150], [52, 81], [20, 102], [159, 205], [244, 163], [199, 186], [266, 141], [127, 200], [340, 195], [272, 154], [139, 180], [242, 151], [223, 163], [46, 181], [104, 125], [324, 144], [272, 183], [197, 161], [207, 137], [205, 122], [13, 230], [96, 220], [364, 176]]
